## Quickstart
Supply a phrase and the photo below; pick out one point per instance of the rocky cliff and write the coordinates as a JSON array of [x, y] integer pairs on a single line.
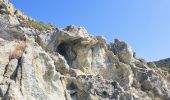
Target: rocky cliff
[[42, 62]]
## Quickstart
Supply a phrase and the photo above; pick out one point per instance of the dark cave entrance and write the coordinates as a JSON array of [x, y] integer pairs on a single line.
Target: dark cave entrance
[[66, 49], [62, 49]]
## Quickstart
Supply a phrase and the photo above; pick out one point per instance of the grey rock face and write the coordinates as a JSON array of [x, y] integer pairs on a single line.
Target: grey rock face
[[70, 64], [122, 50], [86, 87]]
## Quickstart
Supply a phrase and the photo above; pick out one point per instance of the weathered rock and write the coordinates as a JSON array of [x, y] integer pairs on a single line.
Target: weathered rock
[[10, 68], [94, 87], [122, 50], [70, 64], [60, 63], [13, 93], [39, 73]]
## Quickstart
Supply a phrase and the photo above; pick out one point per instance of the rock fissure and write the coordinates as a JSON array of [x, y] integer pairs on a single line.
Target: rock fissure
[[20, 80], [7, 92]]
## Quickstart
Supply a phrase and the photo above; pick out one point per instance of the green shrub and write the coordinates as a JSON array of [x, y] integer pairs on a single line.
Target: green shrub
[[166, 68], [38, 25]]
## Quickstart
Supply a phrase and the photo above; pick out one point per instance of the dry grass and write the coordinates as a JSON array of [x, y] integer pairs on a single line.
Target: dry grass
[[19, 49], [38, 25]]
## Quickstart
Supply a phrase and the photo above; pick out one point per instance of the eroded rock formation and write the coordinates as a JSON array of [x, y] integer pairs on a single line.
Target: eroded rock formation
[[42, 63]]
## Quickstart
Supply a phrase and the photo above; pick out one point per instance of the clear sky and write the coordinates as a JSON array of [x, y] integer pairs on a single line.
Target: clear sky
[[144, 24]]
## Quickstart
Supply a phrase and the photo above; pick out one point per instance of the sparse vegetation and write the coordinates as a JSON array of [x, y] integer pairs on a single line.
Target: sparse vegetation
[[166, 68], [38, 25], [17, 53], [164, 64], [150, 93]]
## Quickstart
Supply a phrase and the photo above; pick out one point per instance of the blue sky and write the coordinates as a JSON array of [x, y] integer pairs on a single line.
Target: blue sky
[[144, 24]]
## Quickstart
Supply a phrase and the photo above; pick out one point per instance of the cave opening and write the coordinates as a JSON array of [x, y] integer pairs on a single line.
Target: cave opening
[[62, 49], [66, 49]]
